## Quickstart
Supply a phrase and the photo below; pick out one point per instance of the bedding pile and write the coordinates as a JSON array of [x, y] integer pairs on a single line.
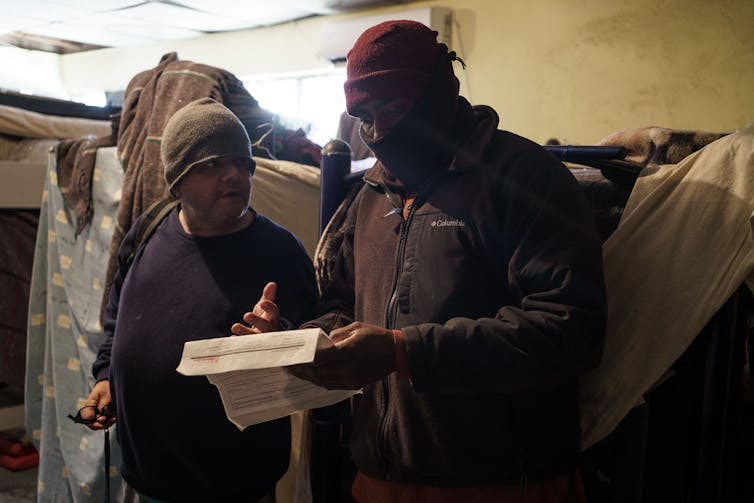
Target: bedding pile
[[684, 245]]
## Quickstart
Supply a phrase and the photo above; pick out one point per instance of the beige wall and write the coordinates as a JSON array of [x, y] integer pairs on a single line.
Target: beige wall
[[581, 69], [575, 70]]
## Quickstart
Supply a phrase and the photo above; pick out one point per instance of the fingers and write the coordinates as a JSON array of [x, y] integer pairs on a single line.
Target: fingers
[[256, 325], [241, 329], [253, 324], [301, 371], [309, 373], [266, 315], [343, 333], [99, 397], [269, 292], [327, 370], [267, 300], [89, 413], [102, 423], [326, 356], [106, 421], [340, 334], [98, 405], [93, 399], [266, 310], [362, 354]]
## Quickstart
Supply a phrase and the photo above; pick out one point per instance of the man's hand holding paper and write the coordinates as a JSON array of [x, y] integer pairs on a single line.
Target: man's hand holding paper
[[359, 354], [248, 372]]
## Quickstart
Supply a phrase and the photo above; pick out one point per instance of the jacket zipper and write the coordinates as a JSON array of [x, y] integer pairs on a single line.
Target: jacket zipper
[[382, 444], [391, 306], [390, 315]]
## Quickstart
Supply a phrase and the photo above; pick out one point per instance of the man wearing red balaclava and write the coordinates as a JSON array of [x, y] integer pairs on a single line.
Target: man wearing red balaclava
[[397, 68], [467, 298]]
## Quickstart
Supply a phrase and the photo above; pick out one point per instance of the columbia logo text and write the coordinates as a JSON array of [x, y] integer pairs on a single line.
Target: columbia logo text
[[448, 223]]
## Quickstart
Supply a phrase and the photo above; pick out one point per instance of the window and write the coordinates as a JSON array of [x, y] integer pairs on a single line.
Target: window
[[311, 101]]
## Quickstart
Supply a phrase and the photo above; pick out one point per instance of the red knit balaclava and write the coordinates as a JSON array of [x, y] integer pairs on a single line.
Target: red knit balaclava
[[395, 59], [402, 59]]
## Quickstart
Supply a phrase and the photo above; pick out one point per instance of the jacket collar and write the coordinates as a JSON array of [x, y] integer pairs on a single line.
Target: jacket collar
[[468, 155]]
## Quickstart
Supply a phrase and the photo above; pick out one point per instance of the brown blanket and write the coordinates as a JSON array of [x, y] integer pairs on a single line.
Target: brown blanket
[[607, 199], [650, 145], [332, 239], [151, 97], [150, 100], [75, 168]]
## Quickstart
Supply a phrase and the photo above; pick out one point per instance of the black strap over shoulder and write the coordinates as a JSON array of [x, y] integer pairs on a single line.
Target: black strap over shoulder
[[153, 216]]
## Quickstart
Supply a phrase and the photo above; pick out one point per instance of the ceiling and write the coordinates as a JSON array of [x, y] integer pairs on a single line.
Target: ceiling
[[66, 26]]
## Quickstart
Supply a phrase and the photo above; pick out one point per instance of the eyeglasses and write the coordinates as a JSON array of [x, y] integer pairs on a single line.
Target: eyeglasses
[[90, 414]]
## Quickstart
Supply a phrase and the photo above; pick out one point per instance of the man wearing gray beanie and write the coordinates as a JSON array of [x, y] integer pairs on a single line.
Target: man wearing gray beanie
[[200, 269]]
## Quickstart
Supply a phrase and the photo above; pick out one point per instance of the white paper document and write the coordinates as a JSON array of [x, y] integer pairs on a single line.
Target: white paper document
[[248, 373]]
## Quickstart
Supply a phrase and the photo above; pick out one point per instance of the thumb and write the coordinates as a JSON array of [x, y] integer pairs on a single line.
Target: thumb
[[270, 292]]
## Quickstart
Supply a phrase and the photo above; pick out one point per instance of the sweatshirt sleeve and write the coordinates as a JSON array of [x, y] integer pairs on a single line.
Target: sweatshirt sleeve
[[552, 326], [101, 366]]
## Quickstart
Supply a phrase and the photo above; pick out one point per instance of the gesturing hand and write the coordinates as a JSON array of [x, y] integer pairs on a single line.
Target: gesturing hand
[[265, 317]]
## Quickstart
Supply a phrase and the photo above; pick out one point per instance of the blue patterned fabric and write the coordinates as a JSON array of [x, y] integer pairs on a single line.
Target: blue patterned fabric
[[64, 333]]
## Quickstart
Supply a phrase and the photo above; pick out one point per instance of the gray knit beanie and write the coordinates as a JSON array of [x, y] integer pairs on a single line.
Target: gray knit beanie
[[202, 130]]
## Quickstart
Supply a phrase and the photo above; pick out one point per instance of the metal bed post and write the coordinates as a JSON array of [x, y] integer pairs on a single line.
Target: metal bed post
[[336, 165]]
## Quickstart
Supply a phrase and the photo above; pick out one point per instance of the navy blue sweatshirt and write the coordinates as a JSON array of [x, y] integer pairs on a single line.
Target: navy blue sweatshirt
[[176, 440]]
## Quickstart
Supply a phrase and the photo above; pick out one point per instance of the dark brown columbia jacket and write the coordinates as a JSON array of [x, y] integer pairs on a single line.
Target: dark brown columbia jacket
[[495, 277]]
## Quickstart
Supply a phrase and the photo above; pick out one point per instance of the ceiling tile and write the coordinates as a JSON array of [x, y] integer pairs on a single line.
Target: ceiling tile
[[11, 22], [181, 17], [44, 10], [130, 22], [112, 30], [256, 13], [96, 5], [313, 6]]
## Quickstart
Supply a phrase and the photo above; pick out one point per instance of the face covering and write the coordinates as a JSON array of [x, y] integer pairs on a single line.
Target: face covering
[[411, 151], [417, 147], [424, 141]]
